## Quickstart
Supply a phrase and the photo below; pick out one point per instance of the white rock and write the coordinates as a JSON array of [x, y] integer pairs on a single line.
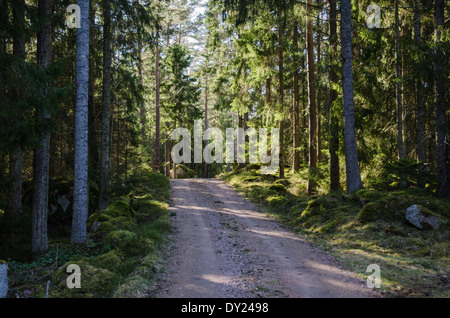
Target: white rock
[[415, 216]]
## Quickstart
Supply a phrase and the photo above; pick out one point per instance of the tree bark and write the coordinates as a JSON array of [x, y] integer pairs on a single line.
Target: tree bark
[[39, 238], [268, 95], [167, 148], [80, 195], [443, 161], [398, 72], [420, 110], [157, 93], [318, 105], [281, 98], [334, 127], [16, 155], [106, 106], [296, 104], [205, 164], [351, 155], [311, 99], [94, 153], [141, 82]]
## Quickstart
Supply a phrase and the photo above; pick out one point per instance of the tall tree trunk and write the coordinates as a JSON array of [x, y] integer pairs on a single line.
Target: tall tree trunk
[[205, 164], [318, 105], [295, 104], [106, 106], [118, 140], [311, 99], [94, 153], [398, 72], [39, 238], [167, 148], [141, 82], [334, 126], [174, 171], [158, 117], [443, 138], [420, 110], [80, 192], [281, 98], [268, 95], [247, 139], [351, 155], [304, 116], [16, 155]]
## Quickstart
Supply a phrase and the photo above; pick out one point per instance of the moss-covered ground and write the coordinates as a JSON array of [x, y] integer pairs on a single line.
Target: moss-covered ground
[[122, 253], [367, 227]]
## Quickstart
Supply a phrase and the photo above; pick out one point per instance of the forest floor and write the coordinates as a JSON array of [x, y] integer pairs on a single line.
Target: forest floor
[[223, 246]]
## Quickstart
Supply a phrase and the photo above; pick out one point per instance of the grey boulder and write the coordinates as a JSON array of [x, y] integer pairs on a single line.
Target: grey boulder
[[421, 218]]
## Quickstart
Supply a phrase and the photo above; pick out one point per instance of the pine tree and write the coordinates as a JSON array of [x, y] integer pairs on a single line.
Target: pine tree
[[334, 126], [351, 156], [443, 138], [39, 241], [16, 155], [311, 99], [106, 106], [80, 192]]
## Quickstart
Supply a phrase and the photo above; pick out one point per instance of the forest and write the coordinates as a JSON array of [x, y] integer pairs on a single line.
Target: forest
[[90, 95]]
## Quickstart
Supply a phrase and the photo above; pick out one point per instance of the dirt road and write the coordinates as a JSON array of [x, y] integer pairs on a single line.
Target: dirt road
[[223, 247]]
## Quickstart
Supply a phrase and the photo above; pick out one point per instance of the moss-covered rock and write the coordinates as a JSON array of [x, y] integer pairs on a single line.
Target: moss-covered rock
[[184, 172], [374, 211], [95, 282], [99, 216], [313, 208], [151, 211], [138, 201], [119, 209], [277, 187], [276, 201], [250, 179], [112, 224], [390, 208], [252, 166], [135, 286], [424, 218], [367, 195], [129, 243], [150, 262], [110, 261], [284, 182]]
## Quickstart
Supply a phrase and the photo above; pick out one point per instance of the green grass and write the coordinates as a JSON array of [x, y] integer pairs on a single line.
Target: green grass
[[122, 252], [365, 228]]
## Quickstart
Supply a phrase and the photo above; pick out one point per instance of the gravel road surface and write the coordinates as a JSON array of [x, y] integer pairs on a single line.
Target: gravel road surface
[[222, 246]]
